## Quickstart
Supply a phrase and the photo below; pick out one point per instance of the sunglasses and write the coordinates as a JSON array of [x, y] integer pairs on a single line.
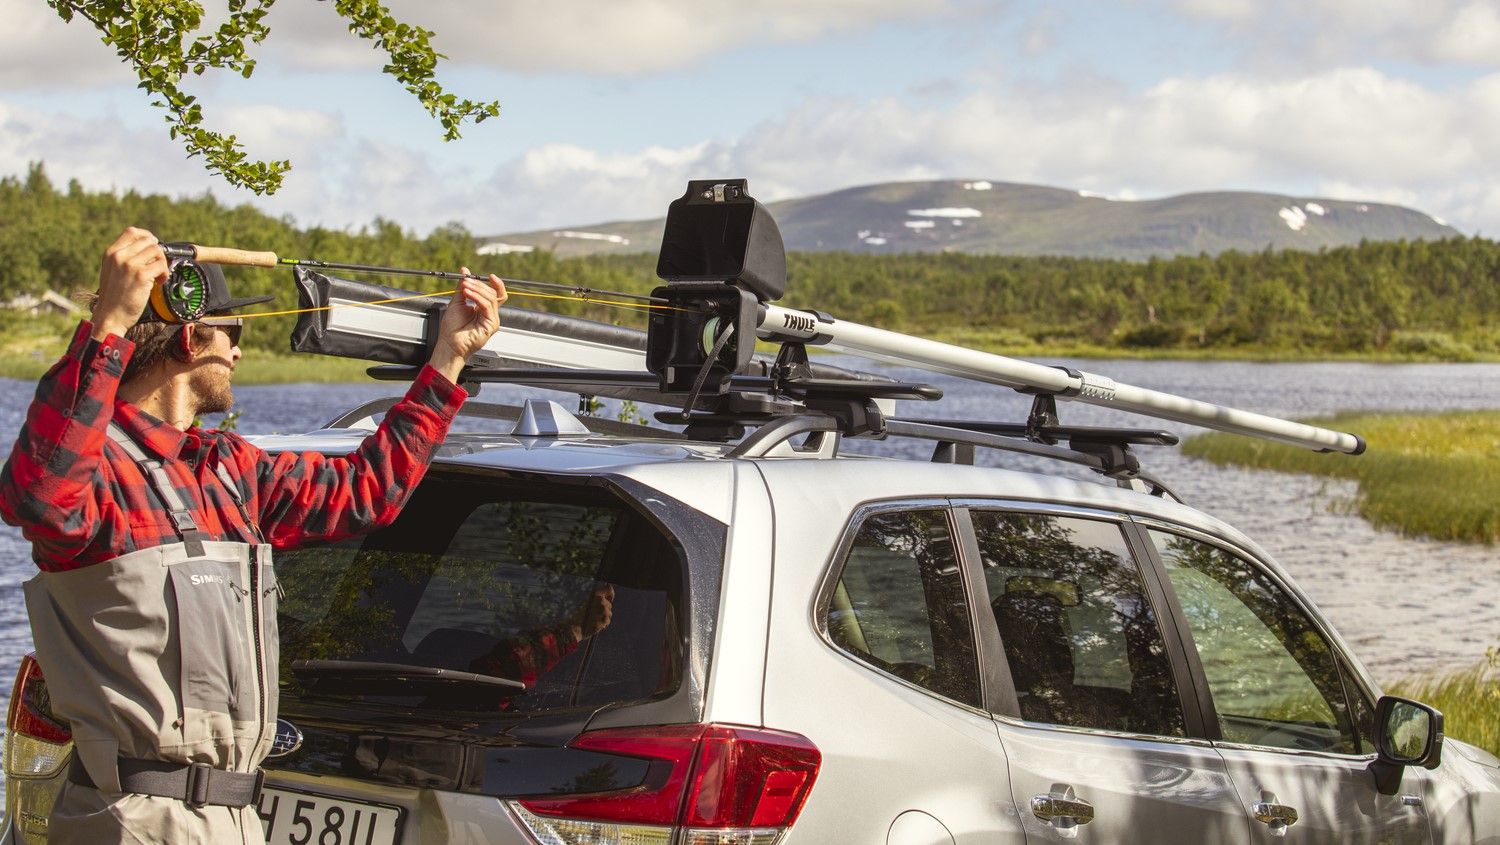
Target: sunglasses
[[232, 326]]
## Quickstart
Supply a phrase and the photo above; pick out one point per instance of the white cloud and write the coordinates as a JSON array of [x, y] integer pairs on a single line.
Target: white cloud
[[98, 150], [1471, 36], [38, 50], [1351, 133], [1439, 150], [602, 37], [1330, 32], [274, 130]]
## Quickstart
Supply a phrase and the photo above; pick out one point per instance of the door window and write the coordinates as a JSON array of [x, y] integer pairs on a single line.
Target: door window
[[1080, 635], [899, 604], [1272, 675]]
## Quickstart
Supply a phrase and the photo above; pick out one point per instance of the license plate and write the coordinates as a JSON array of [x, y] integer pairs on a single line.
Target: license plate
[[307, 818]]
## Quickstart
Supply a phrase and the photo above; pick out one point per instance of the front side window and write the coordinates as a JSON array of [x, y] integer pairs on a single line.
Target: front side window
[[899, 604], [1273, 677], [1080, 635], [564, 590]]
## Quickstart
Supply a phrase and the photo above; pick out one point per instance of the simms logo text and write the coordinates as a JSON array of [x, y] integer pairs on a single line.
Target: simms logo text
[[200, 580]]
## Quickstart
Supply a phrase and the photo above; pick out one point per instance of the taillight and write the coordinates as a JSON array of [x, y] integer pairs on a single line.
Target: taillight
[[36, 742], [717, 784]]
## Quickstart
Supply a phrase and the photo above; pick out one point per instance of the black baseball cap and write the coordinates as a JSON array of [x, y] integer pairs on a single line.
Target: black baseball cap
[[193, 290]]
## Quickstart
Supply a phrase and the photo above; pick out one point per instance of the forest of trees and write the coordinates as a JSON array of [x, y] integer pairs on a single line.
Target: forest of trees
[[1438, 299]]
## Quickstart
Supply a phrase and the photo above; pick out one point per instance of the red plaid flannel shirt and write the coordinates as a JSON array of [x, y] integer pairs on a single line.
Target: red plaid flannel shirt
[[80, 499]]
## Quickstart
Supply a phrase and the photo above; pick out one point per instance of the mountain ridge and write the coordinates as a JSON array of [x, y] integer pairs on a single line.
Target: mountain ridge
[[1006, 218]]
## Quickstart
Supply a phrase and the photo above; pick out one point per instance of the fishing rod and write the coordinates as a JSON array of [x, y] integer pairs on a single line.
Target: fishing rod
[[181, 298]]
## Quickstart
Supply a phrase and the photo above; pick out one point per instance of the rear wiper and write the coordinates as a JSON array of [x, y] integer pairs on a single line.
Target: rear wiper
[[343, 674]]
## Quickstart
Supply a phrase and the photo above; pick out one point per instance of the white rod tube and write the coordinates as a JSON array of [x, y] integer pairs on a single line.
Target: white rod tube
[[782, 324]]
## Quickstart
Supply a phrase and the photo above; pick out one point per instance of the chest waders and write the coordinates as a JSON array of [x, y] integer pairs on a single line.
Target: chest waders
[[164, 662]]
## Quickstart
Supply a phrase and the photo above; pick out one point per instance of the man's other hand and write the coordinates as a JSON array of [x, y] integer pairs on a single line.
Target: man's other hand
[[133, 264], [596, 613], [470, 320]]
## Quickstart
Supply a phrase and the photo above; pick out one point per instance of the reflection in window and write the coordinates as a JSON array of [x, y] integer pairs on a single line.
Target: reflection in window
[[566, 590], [1272, 675], [1080, 635], [899, 604]]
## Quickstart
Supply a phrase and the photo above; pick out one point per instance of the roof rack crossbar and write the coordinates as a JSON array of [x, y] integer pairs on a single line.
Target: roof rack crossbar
[[942, 434], [1054, 433]]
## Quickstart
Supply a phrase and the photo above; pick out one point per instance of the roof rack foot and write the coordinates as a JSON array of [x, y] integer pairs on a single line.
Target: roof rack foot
[[949, 452]]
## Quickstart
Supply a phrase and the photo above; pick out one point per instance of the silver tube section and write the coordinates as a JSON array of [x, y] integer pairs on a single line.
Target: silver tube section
[[782, 324]]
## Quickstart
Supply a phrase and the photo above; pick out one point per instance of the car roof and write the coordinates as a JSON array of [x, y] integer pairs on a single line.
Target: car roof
[[845, 482]]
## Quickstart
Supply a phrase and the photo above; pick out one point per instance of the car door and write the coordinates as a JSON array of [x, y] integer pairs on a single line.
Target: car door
[[1285, 712], [1102, 744], [886, 682]]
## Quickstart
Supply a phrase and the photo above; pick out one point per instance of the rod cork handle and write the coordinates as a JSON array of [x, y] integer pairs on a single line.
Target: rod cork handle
[[234, 257]]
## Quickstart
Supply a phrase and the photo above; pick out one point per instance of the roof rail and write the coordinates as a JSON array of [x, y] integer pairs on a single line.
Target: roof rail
[[367, 411]]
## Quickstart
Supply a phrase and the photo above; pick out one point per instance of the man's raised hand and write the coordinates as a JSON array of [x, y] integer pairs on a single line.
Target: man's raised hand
[[470, 320], [132, 265]]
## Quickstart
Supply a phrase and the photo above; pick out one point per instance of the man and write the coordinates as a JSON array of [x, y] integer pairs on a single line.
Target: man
[[154, 614]]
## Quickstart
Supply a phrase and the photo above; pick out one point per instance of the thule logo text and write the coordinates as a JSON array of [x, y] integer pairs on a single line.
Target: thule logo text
[[799, 323]]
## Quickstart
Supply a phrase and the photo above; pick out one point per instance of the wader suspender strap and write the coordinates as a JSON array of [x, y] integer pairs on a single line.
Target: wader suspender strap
[[182, 517], [234, 493]]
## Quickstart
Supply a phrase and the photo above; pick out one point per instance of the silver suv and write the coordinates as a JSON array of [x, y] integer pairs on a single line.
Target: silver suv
[[587, 632]]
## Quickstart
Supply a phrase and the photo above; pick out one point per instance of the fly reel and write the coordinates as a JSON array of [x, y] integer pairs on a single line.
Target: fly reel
[[183, 296], [193, 288]]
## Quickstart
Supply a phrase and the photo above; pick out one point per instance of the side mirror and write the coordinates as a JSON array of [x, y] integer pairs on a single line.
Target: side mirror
[[1408, 733]]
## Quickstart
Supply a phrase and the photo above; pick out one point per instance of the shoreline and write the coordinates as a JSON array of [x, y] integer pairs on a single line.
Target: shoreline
[[26, 359]]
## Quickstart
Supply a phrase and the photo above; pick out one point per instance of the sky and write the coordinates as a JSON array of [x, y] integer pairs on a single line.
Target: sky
[[609, 107]]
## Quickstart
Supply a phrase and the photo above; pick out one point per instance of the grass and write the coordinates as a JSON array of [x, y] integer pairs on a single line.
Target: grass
[[1423, 475], [1469, 701]]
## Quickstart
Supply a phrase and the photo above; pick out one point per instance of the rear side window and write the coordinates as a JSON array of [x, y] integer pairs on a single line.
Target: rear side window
[[899, 604], [1080, 636], [566, 590]]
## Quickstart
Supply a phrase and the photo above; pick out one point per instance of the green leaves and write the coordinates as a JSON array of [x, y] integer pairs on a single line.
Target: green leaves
[[412, 63], [157, 38]]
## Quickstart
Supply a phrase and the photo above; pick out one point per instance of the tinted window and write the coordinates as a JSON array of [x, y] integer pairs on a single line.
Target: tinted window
[[565, 589], [1272, 675], [1080, 635], [899, 604]]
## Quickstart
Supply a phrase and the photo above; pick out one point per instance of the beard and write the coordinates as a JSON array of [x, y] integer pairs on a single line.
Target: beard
[[211, 383]]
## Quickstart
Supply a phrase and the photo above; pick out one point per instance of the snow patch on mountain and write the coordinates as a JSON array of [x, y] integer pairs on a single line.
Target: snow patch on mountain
[[944, 212], [1295, 218], [500, 248], [594, 236]]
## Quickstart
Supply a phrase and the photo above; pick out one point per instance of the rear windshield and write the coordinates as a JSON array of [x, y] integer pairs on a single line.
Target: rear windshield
[[564, 589]]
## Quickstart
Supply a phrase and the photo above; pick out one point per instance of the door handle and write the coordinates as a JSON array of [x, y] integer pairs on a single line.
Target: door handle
[[1275, 815], [1062, 808]]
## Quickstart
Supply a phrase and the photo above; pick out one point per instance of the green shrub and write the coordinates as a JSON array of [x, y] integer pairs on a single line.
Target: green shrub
[[1438, 345], [1469, 701]]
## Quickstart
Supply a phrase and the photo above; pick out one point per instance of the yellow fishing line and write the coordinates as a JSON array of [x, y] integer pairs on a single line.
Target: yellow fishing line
[[610, 302]]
